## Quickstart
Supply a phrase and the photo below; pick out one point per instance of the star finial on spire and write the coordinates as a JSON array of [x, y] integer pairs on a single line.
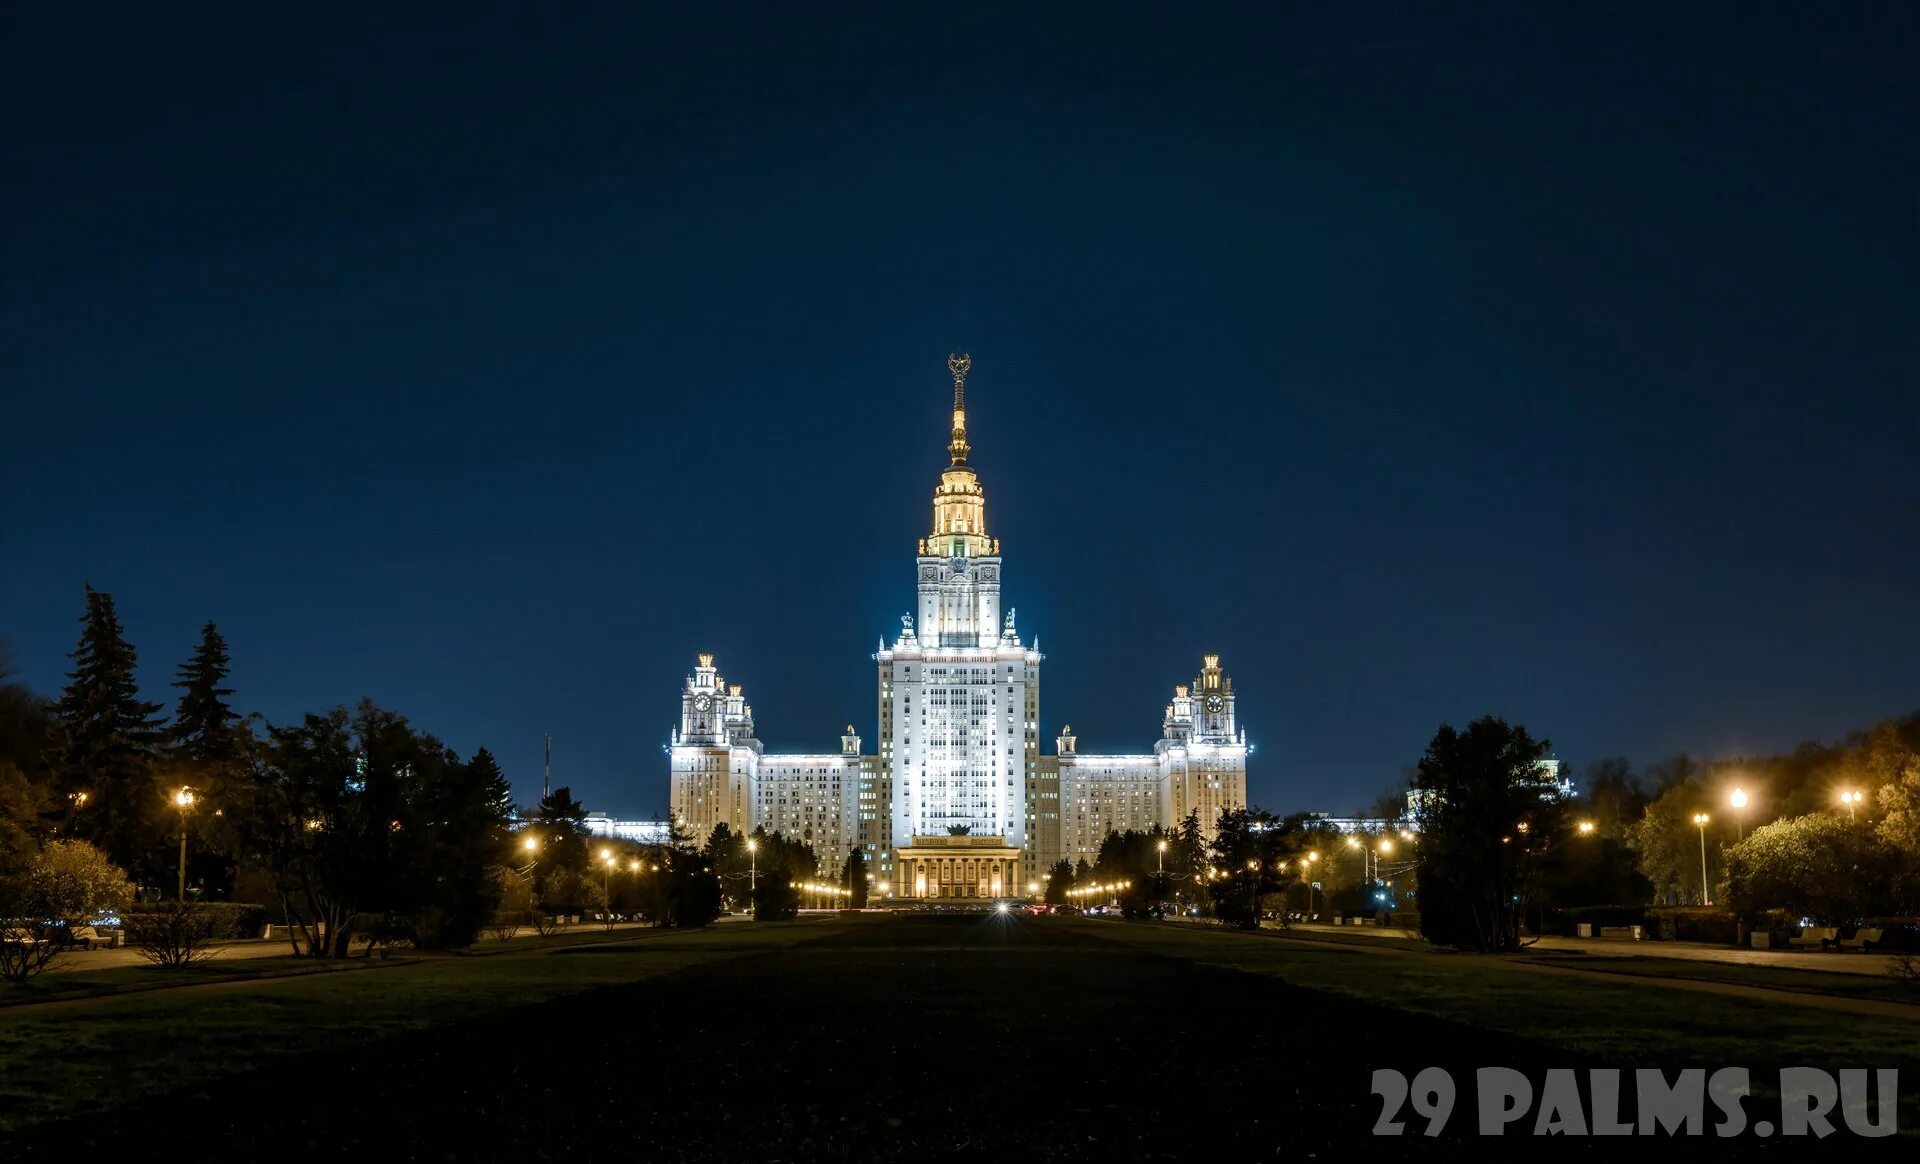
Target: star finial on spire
[[959, 364]]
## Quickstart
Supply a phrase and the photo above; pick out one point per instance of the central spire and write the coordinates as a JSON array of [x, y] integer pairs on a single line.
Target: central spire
[[959, 365], [959, 504]]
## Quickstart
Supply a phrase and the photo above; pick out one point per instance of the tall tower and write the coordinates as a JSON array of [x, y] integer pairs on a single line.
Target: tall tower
[[1202, 750], [713, 756], [959, 700]]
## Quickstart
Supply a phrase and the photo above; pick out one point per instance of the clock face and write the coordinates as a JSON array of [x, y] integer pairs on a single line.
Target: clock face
[[958, 565], [1216, 702], [702, 703]]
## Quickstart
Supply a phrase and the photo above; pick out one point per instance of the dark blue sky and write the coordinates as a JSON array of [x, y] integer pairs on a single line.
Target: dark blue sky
[[491, 366]]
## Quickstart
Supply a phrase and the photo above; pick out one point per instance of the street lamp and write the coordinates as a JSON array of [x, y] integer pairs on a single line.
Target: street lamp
[[1739, 801], [1585, 828], [1163, 858], [1700, 819], [606, 885], [1851, 798], [1307, 863], [753, 866], [183, 800]]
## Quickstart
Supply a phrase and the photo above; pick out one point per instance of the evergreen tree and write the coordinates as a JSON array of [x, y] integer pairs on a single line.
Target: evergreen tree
[[1482, 817], [206, 749], [855, 879], [560, 823], [106, 746], [205, 729], [1059, 881]]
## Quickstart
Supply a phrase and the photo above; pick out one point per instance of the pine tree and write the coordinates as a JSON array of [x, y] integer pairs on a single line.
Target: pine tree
[[205, 728], [108, 736]]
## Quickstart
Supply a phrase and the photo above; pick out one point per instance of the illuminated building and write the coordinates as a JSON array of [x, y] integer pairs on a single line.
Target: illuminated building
[[956, 801]]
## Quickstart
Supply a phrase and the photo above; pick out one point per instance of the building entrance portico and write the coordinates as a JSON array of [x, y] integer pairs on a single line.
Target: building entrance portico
[[932, 868]]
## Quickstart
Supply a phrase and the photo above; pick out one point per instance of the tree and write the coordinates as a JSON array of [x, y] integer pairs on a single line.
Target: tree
[[205, 728], [1898, 799], [560, 824], [854, 877], [1821, 866], [359, 814], [733, 864], [1187, 861], [1614, 796], [72, 883], [1667, 844], [454, 834], [516, 899], [684, 891], [26, 740], [106, 743], [784, 863], [206, 742], [65, 884], [21, 804], [1254, 855], [1059, 881], [1480, 811]]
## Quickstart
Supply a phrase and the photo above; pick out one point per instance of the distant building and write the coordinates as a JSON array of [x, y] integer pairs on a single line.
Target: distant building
[[957, 799], [645, 832]]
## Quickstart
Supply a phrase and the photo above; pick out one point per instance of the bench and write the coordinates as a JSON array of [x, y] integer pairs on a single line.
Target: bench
[[86, 937], [1814, 937], [1862, 940], [1621, 933]]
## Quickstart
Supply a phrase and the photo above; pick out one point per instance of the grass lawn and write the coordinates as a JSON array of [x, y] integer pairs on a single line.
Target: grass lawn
[[1884, 989], [89, 1053], [1633, 1022]]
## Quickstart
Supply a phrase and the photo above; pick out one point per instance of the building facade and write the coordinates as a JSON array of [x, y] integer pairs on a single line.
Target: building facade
[[956, 800]]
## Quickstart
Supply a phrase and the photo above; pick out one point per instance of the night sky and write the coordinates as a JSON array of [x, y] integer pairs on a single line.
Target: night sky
[[492, 366]]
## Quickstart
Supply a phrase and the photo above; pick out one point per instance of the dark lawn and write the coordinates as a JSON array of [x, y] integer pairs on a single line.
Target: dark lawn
[[1006, 1039]]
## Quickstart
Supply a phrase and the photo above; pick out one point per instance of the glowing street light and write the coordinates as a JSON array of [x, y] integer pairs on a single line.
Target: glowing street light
[[1306, 865], [1738, 799], [183, 800], [1850, 798], [1162, 846], [753, 866], [1585, 828], [1700, 819]]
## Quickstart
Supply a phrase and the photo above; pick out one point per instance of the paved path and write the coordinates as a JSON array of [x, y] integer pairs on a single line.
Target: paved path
[[1831, 961]]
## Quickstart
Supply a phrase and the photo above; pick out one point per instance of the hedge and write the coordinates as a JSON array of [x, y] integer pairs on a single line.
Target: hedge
[[1694, 923], [231, 919]]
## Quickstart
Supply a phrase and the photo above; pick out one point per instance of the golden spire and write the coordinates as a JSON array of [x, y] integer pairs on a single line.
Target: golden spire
[[959, 365]]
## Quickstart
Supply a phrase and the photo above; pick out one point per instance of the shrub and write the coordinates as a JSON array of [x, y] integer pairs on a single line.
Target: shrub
[[172, 934]]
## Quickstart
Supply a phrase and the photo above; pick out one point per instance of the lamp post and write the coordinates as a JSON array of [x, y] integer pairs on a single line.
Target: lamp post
[[1163, 858], [1851, 798], [530, 845], [1739, 801], [753, 866], [1585, 828], [1700, 819], [1312, 856], [183, 800], [606, 884]]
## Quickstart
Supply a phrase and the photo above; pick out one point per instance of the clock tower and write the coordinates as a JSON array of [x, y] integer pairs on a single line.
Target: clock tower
[[714, 755], [1202, 750]]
